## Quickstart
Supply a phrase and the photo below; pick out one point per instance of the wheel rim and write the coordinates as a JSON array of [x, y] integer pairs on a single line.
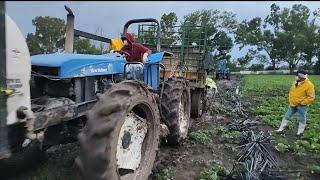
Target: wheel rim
[[183, 118], [201, 104], [135, 142], [131, 138]]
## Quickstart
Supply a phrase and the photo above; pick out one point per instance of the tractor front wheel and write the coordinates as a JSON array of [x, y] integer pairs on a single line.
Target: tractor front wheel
[[121, 136]]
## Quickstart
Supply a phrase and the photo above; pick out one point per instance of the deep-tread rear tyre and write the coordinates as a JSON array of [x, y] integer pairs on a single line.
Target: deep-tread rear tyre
[[125, 120], [197, 103], [176, 107]]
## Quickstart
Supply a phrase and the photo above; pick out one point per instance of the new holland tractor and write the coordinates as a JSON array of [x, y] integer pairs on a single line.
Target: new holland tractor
[[222, 71], [63, 97]]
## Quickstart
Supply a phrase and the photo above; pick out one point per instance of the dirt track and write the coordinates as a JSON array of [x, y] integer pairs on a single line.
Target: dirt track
[[185, 162], [179, 163]]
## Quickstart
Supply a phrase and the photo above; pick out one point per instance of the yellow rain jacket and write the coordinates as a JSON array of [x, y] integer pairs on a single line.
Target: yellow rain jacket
[[116, 44], [303, 94], [211, 83]]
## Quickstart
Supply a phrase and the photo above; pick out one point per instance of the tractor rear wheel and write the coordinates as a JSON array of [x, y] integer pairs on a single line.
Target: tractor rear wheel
[[197, 103], [175, 109], [121, 136]]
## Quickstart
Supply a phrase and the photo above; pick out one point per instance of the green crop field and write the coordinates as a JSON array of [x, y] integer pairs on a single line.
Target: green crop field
[[269, 97]]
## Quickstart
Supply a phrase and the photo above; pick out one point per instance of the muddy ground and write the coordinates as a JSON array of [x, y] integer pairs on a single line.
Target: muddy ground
[[178, 163]]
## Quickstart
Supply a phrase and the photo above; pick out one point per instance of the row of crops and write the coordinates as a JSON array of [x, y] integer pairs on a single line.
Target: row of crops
[[268, 95]]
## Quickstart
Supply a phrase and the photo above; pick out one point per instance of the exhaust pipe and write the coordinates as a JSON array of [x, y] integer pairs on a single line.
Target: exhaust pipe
[[68, 46]]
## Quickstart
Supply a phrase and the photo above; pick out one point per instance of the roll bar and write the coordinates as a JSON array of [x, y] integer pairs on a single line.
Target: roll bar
[[132, 21]]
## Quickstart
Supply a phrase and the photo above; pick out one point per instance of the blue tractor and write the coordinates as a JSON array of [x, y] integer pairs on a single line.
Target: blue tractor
[[117, 121], [222, 71]]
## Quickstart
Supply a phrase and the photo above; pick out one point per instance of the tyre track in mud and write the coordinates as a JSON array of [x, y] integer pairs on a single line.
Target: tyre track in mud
[[184, 161], [187, 161], [180, 163], [57, 164]]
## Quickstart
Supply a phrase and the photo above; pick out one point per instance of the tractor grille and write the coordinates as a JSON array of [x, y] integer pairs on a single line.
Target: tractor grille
[[53, 71]]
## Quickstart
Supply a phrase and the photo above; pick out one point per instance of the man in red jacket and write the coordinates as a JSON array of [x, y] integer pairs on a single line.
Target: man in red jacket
[[136, 53]]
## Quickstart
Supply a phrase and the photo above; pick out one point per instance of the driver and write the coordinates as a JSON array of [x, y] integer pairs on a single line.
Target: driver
[[137, 53]]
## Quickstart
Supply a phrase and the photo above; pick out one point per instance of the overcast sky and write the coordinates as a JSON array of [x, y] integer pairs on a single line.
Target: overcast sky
[[112, 15]]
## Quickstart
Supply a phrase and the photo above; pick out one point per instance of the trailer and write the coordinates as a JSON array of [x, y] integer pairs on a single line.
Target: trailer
[[188, 46]]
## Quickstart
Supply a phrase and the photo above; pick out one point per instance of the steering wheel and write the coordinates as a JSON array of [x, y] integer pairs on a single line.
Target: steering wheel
[[122, 52]]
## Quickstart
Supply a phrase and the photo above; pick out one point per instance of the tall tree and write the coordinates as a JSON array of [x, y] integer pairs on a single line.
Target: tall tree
[[246, 59], [287, 35], [295, 34], [217, 27], [83, 46], [252, 33], [168, 23], [49, 37]]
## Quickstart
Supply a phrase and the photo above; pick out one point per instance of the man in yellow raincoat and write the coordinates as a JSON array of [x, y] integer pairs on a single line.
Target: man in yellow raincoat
[[211, 89], [301, 95], [211, 84]]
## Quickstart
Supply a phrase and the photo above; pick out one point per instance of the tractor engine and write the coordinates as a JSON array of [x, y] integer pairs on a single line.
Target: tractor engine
[[60, 100], [62, 78], [49, 92]]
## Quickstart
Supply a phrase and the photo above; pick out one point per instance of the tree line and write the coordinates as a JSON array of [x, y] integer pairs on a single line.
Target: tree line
[[286, 36]]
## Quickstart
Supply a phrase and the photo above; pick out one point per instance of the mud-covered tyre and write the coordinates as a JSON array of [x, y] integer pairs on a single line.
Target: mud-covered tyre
[[22, 161], [175, 109], [197, 103], [126, 113]]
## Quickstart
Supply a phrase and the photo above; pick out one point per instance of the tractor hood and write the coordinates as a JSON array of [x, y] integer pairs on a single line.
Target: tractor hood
[[68, 65]]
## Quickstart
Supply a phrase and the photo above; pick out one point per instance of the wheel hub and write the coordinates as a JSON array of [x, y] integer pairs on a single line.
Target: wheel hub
[[182, 119], [131, 137], [126, 139], [201, 105]]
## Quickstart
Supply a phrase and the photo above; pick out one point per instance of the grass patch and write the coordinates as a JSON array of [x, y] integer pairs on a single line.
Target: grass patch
[[229, 135], [204, 136], [223, 110], [213, 172], [163, 174], [269, 96], [314, 169]]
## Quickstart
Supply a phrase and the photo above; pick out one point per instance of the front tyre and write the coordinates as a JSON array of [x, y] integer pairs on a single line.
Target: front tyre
[[121, 137]]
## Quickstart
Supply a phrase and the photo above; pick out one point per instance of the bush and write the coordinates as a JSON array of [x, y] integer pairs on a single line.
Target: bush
[[317, 67], [213, 172], [256, 67]]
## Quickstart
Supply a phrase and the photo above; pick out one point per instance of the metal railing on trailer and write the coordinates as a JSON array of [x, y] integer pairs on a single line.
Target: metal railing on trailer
[[187, 43]]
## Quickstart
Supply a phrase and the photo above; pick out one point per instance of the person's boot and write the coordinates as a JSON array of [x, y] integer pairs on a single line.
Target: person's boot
[[301, 128], [283, 124]]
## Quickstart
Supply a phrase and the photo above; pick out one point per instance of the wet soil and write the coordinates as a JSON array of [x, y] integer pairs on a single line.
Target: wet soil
[[183, 162], [187, 161]]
